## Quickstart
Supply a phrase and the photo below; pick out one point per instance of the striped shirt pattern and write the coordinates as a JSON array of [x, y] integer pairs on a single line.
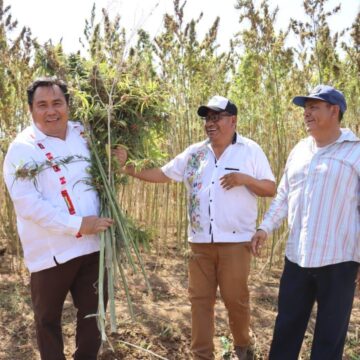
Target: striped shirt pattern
[[320, 195]]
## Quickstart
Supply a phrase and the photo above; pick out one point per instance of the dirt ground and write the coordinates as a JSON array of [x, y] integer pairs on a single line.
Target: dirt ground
[[163, 320]]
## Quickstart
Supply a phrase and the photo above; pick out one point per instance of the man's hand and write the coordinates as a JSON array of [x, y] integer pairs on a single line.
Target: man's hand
[[121, 155], [91, 225], [233, 179], [257, 242], [262, 187]]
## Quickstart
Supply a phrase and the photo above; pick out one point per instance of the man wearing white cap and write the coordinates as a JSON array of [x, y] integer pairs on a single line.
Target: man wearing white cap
[[223, 175], [320, 195]]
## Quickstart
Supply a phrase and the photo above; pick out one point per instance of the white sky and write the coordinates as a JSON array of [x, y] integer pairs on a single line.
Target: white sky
[[65, 19]]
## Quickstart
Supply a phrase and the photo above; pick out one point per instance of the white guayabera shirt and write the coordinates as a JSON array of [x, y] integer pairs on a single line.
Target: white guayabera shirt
[[216, 214], [320, 195], [49, 212]]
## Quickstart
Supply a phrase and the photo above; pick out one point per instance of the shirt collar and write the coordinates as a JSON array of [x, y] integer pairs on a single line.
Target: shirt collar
[[39, 135], [346, 135], [239, 139]]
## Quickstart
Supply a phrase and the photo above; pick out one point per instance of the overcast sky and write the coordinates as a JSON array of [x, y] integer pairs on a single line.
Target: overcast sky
[[65, 19]]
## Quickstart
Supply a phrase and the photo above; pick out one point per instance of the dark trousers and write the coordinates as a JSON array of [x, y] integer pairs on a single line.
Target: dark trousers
[[332, 287], [48, 292]]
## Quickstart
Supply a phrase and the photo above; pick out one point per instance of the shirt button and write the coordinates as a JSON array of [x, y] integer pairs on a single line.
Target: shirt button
[[212, 182], [211, 219], [210, 200], [216, 166]]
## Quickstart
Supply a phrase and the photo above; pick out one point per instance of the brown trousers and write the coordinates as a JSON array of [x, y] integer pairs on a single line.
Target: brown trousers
[[48, 292], [226, 265]]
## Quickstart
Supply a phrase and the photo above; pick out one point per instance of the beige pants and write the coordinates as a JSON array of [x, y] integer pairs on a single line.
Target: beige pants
[[225, 265]]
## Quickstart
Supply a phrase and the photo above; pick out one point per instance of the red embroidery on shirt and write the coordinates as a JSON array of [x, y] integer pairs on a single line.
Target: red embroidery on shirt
[[64, 192], [56, 168], [68, 202]]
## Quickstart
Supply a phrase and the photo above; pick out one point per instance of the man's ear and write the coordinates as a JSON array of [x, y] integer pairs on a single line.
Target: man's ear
[[335, 111], [234, 120]]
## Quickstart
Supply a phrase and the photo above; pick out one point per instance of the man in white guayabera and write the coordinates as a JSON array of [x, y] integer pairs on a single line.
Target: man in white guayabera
[[57, 218], [319, 194], [223, 175]]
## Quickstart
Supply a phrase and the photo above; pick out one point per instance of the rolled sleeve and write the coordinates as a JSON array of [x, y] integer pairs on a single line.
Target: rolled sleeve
[[175, 168], [262, 167]]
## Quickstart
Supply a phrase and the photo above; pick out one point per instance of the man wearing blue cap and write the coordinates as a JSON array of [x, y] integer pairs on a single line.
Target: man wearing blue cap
[[319, 194], [223, 175]]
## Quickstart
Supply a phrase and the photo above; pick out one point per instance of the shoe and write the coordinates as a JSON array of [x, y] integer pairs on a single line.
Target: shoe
[[241, 353]]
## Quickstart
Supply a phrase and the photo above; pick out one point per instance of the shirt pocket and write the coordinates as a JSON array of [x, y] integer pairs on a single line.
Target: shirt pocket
[[236, 168]]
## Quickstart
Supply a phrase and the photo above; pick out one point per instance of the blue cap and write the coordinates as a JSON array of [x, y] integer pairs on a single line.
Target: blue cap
[[325, 93]]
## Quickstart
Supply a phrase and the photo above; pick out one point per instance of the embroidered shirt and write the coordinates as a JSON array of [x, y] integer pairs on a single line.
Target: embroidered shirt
[[46, 228], [216, 214], [320, 195]]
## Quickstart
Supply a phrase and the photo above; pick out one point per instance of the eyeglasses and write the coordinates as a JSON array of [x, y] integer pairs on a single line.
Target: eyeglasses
[[215, 117]]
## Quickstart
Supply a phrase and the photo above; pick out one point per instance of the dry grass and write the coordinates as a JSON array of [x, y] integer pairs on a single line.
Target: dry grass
[[163, 321]]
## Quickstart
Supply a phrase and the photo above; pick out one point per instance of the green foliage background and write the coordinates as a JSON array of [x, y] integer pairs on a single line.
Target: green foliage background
[[148, 92]]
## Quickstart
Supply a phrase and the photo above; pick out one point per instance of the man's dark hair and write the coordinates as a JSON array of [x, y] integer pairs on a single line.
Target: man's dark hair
[[47, 81], [341, 115]]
